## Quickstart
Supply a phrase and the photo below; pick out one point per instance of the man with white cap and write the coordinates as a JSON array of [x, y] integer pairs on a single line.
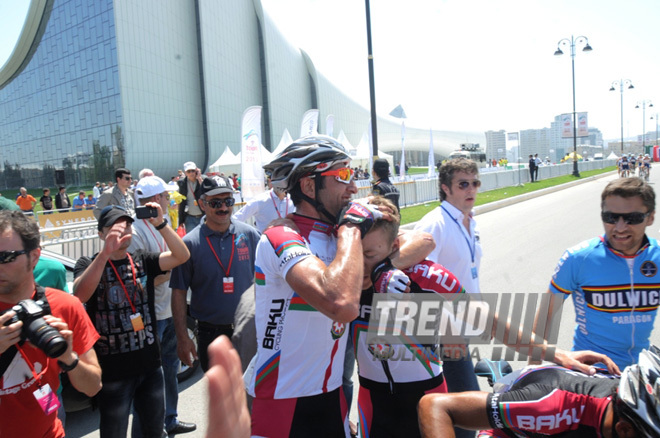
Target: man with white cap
[[147, 238], [189, 211]]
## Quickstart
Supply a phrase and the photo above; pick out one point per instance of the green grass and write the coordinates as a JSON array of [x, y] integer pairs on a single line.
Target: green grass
[[416, 212], [414, 170]]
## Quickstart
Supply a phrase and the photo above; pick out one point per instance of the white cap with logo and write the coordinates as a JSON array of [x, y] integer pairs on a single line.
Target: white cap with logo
[[150, 186]]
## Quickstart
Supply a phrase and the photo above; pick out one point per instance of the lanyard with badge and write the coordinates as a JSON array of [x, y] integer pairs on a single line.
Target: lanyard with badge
[[45, 396], [136, 317], [277, 209], [472, 247], [191, 192], [156, 239], [227, 281]]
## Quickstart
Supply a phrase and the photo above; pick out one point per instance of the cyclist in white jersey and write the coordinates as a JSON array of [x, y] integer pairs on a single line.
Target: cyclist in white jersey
[[307, 291]]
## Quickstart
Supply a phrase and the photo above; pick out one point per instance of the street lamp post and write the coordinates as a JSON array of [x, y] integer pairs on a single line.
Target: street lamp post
[[622, 83], [582, 40], [643, 103]]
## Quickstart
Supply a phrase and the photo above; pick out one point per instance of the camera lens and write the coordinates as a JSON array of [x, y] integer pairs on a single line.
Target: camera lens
[[45, 337]]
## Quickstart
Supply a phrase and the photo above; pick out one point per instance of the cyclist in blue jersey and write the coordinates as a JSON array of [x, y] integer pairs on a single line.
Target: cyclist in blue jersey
[[614, 279]]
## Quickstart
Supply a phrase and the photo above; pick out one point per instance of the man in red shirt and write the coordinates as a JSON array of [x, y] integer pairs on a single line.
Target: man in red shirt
[[29, 378]]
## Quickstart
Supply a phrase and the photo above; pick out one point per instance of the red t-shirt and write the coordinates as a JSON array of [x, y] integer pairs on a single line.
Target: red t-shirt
[[20, 413]]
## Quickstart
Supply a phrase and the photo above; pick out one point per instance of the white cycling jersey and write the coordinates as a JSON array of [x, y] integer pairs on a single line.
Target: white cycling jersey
[[300, 351]]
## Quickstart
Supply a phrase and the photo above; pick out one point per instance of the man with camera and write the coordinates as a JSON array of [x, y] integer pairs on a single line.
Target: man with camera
[[118, 289], [145, 237], [60, 336]]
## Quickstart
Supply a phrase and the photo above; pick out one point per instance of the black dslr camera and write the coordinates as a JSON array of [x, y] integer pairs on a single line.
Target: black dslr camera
[[36, 329]]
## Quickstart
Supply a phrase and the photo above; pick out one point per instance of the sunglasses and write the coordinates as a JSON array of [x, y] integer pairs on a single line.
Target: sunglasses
[[465, 184], [10, 256], [128, 178], [217, 203], [344, 175], [634, 218]]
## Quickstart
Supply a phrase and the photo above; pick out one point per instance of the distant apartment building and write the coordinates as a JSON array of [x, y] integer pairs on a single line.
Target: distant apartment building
[[535, 141], [495, 145]]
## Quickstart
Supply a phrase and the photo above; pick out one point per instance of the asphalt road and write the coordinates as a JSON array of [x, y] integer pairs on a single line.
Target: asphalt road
[[522, 244]]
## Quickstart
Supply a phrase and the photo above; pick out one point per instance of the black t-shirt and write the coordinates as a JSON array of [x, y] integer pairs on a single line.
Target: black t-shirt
[[122, 351], [46, 202], [388, 190]]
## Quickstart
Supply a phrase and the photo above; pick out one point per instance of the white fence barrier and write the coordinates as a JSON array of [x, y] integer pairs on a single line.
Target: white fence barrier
[[76, 240]]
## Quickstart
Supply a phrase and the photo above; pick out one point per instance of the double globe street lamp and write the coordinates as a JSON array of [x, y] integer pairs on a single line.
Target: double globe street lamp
[[572, 42], [622, 84]]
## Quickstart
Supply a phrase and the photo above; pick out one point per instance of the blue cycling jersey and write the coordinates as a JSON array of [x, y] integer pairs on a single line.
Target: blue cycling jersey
[[616, 297]]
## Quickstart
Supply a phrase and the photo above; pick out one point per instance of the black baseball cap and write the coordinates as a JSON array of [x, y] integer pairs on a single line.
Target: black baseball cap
[[216, 185], [111, 214]]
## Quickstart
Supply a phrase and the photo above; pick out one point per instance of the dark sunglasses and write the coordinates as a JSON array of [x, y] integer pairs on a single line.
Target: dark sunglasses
[[465, 184], [217, 203], [10, 256], [128, 178], [634, 218]]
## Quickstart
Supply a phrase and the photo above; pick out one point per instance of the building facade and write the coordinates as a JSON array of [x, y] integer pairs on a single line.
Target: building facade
[[109, 83]]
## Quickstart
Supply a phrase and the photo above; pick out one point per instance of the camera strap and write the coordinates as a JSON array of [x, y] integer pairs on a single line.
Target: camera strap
[[8, 355], [6, 358]]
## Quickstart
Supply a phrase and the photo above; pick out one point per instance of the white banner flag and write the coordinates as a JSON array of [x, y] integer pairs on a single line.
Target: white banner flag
[[252, 174], [583, 125], [431, 156], [310, 123], [329, 125], [402, 164]]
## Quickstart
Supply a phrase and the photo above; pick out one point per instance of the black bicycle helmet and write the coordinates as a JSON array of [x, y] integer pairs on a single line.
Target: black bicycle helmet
[[639, 393], [303, 157]]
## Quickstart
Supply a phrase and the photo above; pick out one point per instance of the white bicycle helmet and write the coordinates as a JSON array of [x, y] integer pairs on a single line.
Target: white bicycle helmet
[[305, 156], [639, 393]]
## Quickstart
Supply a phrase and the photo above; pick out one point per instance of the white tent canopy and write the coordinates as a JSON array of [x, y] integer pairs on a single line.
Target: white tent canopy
[[227, 160], [612, 156], [285, 141], [341, 138], [361, 156], [229, 163]]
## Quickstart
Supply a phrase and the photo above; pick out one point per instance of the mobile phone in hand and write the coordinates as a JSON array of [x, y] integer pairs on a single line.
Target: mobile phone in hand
[[145, 212]]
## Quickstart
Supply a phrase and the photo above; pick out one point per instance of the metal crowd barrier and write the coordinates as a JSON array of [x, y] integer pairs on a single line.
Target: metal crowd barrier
[[80, 236]]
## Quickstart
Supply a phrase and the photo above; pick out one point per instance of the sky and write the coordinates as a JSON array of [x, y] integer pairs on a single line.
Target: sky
[[473, 65], [478, 65]]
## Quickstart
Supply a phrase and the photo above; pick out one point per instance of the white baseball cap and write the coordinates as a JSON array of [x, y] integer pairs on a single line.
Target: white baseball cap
[[150, 186], [189, 165]]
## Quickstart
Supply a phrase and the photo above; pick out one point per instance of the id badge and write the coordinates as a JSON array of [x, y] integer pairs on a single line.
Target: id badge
[[47, 399], [195, 202], [228, 285], [136, 320], [474, 272]]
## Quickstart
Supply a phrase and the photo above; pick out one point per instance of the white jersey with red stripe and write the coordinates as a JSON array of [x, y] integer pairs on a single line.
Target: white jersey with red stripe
[[300, 351]]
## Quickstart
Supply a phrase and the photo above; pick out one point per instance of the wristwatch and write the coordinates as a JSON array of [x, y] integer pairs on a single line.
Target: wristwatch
[[66, 368], [161, 226]]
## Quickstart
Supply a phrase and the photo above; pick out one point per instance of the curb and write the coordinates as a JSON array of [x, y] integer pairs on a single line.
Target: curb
[[485, 208]]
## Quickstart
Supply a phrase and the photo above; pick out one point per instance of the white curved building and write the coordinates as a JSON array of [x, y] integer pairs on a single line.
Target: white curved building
[[95, 85]]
